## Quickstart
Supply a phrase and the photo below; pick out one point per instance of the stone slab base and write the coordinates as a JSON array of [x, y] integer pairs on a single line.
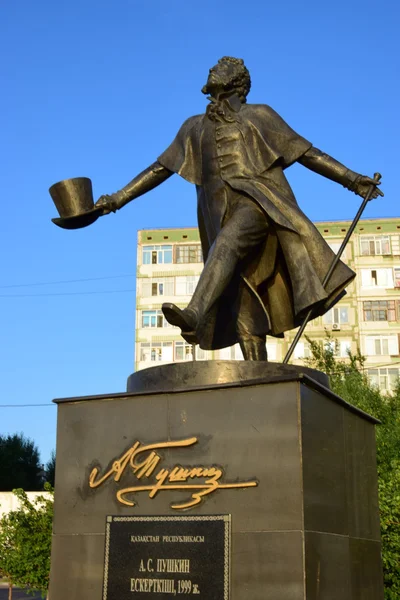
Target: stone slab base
[[309, 530]]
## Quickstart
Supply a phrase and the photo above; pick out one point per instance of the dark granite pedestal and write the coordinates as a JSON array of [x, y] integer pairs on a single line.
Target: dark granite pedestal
[[308, 530]]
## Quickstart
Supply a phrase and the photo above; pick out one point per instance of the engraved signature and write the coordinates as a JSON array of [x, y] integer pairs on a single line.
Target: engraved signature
[[175, 478]]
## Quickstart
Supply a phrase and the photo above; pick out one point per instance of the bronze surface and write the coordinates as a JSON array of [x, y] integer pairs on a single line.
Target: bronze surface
[[267, 268]]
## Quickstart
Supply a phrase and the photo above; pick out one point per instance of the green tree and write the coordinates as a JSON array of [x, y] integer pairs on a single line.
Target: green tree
[[349, 381], [51, 469], [20, 464], [25, 543]]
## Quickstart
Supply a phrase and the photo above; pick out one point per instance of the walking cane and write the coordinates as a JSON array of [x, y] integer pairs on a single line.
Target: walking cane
[[335, 261]]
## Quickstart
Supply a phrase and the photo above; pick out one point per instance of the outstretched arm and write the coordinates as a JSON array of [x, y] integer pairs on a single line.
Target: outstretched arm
[[142, 183], [325, 165]]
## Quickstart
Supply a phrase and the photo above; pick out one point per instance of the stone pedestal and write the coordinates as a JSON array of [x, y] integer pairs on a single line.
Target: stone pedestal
[[308, 530]]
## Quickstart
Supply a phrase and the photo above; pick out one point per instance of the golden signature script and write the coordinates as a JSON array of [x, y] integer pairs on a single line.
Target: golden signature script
[[143, 460]]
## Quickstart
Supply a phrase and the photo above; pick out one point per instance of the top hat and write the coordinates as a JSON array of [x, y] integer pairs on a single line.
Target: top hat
[[74, 201]]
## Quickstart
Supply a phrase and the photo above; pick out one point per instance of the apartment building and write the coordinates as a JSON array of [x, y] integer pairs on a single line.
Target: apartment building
[[368, 317]]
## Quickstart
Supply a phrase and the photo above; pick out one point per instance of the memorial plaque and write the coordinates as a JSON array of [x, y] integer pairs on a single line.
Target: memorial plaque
[[161, 556]]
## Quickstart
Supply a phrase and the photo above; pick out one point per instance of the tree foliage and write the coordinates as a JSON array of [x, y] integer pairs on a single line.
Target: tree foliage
[[349, 381], [51, 469], [25, 542], [20, 464]]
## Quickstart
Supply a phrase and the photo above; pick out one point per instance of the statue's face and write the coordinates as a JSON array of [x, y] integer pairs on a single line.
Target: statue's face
[[220, 77]]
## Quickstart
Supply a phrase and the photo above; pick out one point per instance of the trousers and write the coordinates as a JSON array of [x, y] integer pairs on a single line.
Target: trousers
[[244, 228]]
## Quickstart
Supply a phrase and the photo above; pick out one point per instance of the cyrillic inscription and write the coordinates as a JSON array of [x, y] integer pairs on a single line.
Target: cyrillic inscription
[[172, 556]]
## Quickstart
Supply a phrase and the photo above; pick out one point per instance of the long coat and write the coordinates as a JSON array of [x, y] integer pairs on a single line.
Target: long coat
[[286, 275]]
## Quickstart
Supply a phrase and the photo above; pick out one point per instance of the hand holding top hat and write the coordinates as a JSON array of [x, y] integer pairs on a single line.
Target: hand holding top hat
[[108, 203], [73, 199]]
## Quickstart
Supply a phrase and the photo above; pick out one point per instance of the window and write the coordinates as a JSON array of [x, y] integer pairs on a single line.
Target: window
[[237, 353], [331, 346], [338, 348], [396, 272], [377, 278], [339, 314], [189, 254], [153, 318], [271, 350], [225, 354], [380, 310], [335, 247], [156, 352], [386, 379], [230, 353], [344, 348], [155, 255], [202, 354], [186, 285], [183, 351], [377, 345], [302, 350], [375, 244], [158, 287]]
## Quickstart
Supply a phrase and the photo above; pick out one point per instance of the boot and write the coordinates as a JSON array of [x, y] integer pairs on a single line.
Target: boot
[[186, 319]]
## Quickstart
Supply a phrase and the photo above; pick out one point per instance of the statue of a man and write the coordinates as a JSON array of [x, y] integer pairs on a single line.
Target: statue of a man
[[264, 260]]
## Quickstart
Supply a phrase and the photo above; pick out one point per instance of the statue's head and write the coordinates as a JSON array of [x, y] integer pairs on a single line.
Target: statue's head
[[228, 75]]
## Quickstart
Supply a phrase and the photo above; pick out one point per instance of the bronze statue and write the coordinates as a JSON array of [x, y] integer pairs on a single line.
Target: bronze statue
[[264, 260]]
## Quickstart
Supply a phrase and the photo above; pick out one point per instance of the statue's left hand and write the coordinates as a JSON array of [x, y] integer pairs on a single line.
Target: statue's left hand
[[362, 185], [109, 203]]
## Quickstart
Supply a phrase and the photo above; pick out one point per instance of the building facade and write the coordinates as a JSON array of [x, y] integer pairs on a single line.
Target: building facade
[[10, 502], [368, 317]]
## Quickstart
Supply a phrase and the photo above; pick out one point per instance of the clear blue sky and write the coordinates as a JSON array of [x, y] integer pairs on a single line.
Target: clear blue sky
[[99, 89]]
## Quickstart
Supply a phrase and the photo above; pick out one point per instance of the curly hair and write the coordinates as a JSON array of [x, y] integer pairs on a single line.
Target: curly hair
[[241, 80]]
